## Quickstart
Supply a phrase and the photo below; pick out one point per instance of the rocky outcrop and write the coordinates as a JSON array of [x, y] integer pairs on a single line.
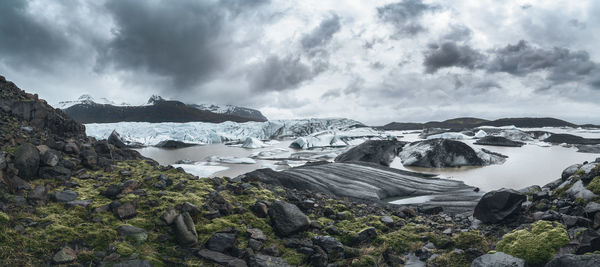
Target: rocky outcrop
[[498, 206], [37, 113], [595, 149], [27, 161], [442, 153], [368, 181], [376, 151], [498, 141]]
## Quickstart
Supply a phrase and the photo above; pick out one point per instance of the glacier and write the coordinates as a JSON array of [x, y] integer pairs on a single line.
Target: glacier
[[150, 134]]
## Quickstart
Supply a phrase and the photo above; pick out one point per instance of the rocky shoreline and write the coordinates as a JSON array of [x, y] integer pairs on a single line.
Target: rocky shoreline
[[68, 199]]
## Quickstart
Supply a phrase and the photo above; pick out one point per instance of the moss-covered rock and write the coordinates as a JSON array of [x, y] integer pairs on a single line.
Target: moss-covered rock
[[594, 185], [4, 218], [535, 245]]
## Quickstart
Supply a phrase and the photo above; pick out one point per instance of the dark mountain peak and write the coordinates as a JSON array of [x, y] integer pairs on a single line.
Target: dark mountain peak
[[155, 99]]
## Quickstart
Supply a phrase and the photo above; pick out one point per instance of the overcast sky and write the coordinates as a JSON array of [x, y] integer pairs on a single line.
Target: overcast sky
[[373, 61]]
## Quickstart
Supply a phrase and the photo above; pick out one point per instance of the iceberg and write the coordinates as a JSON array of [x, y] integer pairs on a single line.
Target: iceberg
[[201, 169], [332, 138], [252, 142], [150, 134], [480, 134], [453, 136], [232, 160]]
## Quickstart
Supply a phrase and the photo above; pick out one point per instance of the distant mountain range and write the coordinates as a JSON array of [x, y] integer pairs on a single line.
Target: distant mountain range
[[87, 110], [462, 123]]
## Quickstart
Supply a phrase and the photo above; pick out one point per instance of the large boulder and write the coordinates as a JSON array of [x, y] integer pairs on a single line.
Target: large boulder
[[287, 218], [578, 190], [498, 141], [185, 230], [571, 260], [499, 205], [27, 161], [441, 153], [333, 247], [377, 151], [221, 242], [498, 259]]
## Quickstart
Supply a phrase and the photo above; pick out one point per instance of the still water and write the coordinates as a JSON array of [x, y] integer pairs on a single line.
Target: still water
[[525, 166]]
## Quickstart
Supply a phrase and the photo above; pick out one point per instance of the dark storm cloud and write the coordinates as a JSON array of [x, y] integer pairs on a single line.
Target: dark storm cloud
[[279, 74], [185, 40], [562, 64], [449, 54], [405, 15], [26, 41], [322, 34]]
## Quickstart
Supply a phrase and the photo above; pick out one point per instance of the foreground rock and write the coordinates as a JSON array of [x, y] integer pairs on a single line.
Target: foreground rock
[[498, 259], [571, 260], [442, 153], [367, 181], [376, 151], [287, 218], [498, 141], [498, 206]]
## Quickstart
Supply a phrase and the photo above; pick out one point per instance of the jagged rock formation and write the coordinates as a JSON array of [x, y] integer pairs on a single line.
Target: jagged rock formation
[[376, 151], [442, 153]]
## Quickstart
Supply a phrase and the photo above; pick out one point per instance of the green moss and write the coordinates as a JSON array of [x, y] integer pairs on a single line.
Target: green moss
[[471, 239], [562, 191], [450, 259], [4, 218], [292, 257], [124, 248], [405, 239], [594, 185], [536, 245], [364, 261]]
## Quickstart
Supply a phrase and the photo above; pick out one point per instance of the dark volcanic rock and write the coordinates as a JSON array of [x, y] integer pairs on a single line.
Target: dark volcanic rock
[[128, 231], [65, 255], [65, 196], [499, 205], [260, 260], [221, 242], [498, 141], [115, 140], [287, 218], [27, 161], [333, 247], [58, 172], [376, 151], [571, 260], [595, 149], [173, 144], [498, 259], [571, 139], [125, 211], [368, 181], [441, 153], [50, 158], [220, 258]]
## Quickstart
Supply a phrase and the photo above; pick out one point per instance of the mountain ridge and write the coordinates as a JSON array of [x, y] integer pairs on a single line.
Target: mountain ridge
[[469, 122], [157, 109]]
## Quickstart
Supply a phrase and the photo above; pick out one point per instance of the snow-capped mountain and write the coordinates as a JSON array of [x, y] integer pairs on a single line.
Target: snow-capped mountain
[[87, 100], [232, 110], [156, 110]]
